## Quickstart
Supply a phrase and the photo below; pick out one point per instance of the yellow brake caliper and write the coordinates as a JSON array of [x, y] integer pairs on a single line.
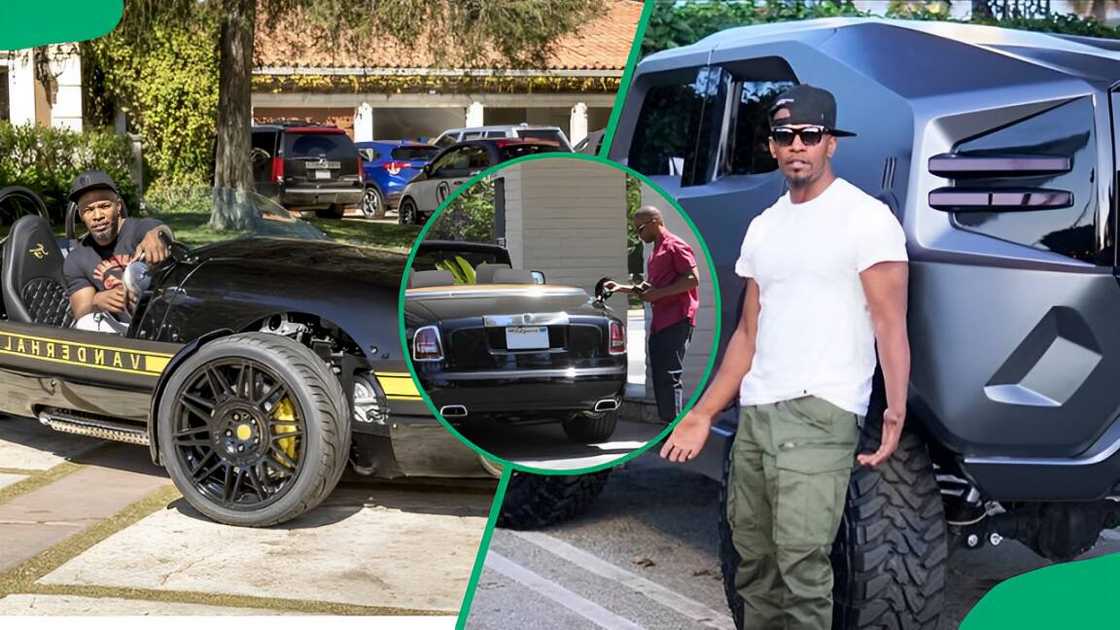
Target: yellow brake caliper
[[285, 411]]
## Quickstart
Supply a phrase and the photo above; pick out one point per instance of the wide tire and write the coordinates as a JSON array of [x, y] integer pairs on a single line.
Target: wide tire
[[591, 428], [889, 556], [315, 398], [536, 501]]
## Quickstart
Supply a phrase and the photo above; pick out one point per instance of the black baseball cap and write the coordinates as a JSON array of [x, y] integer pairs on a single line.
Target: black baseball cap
[[807, 105], [91, 180]]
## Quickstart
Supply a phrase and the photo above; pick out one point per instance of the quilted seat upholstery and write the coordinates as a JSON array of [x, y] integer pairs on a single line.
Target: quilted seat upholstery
[[34, 287]]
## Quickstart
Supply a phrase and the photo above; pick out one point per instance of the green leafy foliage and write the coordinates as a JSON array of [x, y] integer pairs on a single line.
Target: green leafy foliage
[[169, 89], [459, 268], [47, 159], [470, 217]]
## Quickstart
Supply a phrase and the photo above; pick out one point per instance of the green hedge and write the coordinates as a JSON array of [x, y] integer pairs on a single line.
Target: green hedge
[[47, 160]]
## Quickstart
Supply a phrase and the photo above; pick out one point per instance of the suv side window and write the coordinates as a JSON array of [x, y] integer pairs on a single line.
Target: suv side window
[[445, 163], [704, 123], [1066, 130], [477, 158], [495, 134]]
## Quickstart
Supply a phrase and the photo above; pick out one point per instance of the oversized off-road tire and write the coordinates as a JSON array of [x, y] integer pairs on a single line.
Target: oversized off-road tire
[[333, 211], [254, 429], [535, 501], [888, 559], [588, 427]]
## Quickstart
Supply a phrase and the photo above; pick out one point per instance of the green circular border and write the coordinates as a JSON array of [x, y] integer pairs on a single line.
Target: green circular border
[[697, 391]]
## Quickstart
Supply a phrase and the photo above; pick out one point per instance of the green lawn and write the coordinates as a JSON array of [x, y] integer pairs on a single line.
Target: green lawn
[[191, 228]]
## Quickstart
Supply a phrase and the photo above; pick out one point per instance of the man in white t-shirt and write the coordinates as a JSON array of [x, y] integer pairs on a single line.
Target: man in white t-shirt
[[826, 275]]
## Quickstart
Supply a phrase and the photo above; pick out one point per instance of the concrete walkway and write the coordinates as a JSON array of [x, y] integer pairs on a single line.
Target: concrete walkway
[[93, 528]]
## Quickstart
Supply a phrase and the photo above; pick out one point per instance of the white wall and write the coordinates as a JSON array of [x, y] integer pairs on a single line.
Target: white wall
[[66, 66], [21, 88], [700, 348], [567, 218]]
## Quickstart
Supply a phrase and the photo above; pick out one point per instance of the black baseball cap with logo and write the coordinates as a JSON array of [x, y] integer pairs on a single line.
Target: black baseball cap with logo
[[91, 180], [807, 105]]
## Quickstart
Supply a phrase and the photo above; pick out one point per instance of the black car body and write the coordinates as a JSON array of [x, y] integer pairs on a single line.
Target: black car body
[[455, 165], [996, 150], [307, 167], [278, 297], [510, 349]]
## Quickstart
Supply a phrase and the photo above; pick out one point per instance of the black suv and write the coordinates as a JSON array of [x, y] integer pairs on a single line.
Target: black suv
[[996, 150], [307, 167]]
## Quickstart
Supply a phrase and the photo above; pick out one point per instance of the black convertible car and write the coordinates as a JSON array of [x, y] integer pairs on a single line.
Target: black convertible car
[[504, 346], [254, 368]]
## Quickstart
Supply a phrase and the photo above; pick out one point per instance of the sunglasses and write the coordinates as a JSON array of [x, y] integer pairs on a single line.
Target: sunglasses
[[810, 136]]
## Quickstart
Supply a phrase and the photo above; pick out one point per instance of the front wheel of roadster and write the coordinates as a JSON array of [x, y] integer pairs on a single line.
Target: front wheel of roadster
[[253, 429]]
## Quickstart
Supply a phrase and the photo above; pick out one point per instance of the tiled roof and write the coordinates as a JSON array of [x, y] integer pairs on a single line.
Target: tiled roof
[[602, 43]]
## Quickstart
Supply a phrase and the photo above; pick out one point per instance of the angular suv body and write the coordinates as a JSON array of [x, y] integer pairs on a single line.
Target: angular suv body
[[524, 131], [1004, 180]]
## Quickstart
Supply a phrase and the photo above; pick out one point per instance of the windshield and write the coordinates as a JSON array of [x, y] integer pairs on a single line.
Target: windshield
[[196, 213]]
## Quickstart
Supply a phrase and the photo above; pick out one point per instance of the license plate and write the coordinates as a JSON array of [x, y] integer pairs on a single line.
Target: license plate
[[322, 174], [526, 337]]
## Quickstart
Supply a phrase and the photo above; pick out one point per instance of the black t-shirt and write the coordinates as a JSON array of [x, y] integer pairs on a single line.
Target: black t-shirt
[[91, 265]]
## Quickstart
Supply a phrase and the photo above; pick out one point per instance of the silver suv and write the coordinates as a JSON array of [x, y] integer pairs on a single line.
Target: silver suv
[[524, 131]]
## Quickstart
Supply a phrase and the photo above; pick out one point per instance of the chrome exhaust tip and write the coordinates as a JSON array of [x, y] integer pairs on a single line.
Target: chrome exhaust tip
[[607, 404], [453, 411]]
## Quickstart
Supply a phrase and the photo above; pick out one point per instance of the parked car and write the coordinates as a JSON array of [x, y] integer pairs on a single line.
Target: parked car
[[254, 369], [307, 167], [523, 131], [454, 166], [1002, 178], [387, 166], [507, 348]]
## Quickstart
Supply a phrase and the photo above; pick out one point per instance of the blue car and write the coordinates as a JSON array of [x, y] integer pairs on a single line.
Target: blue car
[[388, 166]]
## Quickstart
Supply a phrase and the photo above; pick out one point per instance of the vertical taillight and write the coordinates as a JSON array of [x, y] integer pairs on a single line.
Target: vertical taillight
[[426, 345], [618, 338], [361, 171], [278, 170]]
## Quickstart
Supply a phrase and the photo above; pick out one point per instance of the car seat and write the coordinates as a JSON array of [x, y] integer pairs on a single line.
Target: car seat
[[484, 273], [33, 282], [513, 276], [431, 278]]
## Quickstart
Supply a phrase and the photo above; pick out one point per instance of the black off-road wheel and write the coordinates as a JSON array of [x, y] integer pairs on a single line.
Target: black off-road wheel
[[254, 429], [536, 501], [406, 212], [333, 211], [888, 559], [587, 427]]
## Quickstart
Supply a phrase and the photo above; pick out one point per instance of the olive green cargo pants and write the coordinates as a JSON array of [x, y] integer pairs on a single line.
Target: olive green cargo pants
[[790, 465]]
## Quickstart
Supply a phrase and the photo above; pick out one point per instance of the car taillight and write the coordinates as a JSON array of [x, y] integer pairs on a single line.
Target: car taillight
[[278, 170], [426, 345], [618, 338], [361, 172], [395, 166]]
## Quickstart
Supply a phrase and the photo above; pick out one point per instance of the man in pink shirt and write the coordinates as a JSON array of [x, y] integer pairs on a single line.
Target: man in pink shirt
[[672, 290]]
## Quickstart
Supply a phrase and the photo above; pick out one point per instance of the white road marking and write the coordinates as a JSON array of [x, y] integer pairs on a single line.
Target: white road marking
[[690, 608], [583, 607]]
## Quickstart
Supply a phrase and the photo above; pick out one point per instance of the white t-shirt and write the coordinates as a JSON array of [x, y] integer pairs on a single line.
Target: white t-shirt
[[815, 335]]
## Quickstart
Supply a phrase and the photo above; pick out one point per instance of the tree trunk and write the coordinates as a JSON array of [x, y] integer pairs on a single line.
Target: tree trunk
[[233, 175]]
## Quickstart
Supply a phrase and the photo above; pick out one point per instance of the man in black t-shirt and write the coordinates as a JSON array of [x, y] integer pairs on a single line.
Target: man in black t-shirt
[[95, 266]]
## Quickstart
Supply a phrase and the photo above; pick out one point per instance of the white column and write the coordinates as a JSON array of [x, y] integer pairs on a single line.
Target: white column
[[66, 66], [474, 114], [577, 128], [363, 123], [21, 88]]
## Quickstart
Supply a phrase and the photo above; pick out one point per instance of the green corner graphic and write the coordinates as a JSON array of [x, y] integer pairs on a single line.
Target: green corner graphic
[[30, 23]]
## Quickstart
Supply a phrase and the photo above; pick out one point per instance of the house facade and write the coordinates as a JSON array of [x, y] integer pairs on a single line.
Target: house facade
[[388, 91]]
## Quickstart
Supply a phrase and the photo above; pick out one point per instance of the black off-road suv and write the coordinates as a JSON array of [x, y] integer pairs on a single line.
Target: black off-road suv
[[1004, 178], [307, 167]]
